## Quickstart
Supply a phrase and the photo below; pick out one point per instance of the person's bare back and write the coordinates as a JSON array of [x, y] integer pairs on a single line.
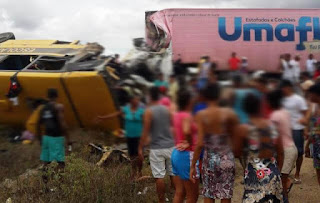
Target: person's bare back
[[217, 120]]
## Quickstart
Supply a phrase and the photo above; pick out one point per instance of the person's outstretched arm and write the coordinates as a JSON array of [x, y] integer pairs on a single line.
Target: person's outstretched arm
[[112, 115]]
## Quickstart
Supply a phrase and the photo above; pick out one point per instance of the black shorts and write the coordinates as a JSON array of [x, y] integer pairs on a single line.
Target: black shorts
[[133, 145]]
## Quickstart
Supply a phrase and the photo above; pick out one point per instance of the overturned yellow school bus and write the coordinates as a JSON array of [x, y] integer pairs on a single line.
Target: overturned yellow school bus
[[77, 71]]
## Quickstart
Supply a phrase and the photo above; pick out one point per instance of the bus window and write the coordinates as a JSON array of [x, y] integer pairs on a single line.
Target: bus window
[[15, 62], [48, 63]]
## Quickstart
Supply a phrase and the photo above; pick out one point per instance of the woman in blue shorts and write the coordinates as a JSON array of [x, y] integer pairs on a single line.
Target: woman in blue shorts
[[185, 140]]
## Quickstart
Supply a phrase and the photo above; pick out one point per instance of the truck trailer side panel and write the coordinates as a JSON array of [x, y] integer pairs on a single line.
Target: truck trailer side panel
[[261, 35]]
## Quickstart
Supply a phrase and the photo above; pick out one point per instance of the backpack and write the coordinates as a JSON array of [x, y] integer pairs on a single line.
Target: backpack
[[50, 119]]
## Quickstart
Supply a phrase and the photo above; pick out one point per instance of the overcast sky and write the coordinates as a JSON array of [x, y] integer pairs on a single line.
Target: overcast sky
[[112, 23]]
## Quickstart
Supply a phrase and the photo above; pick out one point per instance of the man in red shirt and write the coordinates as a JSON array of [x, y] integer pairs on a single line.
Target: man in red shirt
[[234, 62]]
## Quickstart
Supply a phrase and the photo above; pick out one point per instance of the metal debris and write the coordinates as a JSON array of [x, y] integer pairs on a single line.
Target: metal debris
[[109, 152]]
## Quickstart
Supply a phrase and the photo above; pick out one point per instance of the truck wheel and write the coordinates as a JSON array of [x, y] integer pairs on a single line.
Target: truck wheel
[[6, 36]]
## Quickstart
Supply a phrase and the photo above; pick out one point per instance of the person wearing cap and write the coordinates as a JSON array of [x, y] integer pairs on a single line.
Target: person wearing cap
[[133, 124], [298, 108], [314, 129]]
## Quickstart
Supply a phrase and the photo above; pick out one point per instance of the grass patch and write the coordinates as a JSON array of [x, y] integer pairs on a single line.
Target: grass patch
[[81, 182]]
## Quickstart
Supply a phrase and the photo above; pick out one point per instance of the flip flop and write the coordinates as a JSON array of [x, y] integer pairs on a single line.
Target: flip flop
[[290, 187], [297, 181]]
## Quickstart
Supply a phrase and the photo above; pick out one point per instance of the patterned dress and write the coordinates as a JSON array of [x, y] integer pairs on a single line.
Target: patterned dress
[[218, 167], [315, 138], [262, 178]]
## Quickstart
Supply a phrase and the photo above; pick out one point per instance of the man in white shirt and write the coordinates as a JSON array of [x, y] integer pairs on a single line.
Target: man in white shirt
[[295, 65], [288, 71], [297, 107], [310, 65]]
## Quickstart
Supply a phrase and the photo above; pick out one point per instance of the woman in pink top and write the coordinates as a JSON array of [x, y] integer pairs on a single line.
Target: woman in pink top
[[281, 119], [185, 141]]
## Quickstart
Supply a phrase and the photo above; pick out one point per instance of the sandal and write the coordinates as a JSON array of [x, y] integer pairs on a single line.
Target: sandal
[[297, 181]]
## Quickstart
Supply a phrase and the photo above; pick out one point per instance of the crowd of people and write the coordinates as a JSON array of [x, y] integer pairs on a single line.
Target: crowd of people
[[195, 130]]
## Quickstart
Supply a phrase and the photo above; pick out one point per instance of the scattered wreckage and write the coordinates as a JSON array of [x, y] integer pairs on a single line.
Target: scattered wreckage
[[108, 152]]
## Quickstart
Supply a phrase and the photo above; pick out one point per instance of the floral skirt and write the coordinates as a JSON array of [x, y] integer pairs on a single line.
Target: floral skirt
[[218, 175], [262, 182]]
